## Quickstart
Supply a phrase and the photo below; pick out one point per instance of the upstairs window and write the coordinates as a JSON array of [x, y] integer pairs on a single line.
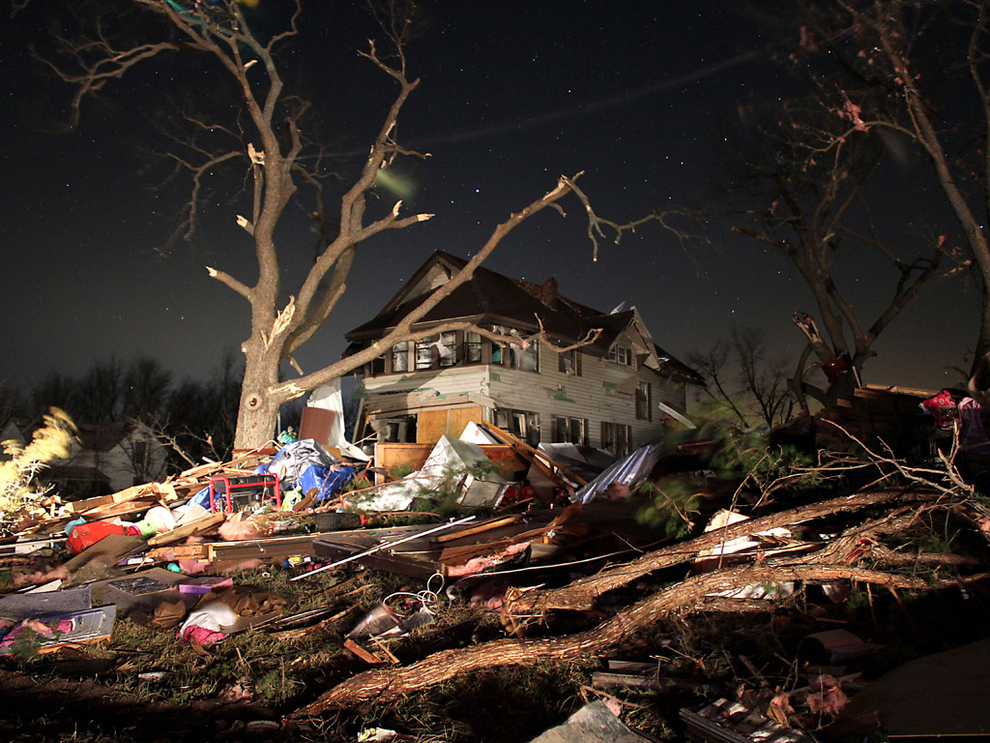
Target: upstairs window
[[644, 402], [400, 357], [425, 352], [524, 358], [620, 355], [447, 348], [473, 346], [569, 362]]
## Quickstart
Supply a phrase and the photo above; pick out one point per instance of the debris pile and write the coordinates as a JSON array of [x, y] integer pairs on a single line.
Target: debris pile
[[573, 571]]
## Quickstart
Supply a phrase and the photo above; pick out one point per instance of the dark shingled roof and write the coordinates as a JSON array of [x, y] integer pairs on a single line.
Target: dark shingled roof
[[490, 298]]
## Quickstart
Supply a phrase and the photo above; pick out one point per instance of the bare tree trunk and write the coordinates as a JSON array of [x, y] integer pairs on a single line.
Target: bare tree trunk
[[258, 408]]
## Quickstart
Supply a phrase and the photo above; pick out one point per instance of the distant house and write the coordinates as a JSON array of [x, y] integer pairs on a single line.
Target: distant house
[[10, 431], [107, 459], [615, 394]]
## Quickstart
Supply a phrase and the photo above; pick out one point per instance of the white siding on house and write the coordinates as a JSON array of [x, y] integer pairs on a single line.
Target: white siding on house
[[604, 392], [400, 393]]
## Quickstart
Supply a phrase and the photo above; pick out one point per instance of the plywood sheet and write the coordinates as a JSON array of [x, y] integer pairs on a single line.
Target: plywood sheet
[[430, 426]]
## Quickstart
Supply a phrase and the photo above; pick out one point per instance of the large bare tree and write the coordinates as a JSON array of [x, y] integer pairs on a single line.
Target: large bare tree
[[742, 383], [267, 140], [917, 74], [801, 178]]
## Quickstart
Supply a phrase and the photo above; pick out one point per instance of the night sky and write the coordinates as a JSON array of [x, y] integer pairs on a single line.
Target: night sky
[[513, 94]]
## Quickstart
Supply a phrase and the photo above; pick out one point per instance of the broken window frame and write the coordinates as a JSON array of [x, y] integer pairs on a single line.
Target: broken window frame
[[448, 340], [569, 362], [523, 424], [644, 401], [525, 359], [569, 430], [377, 366], [427, 357], [400, 357], [396, 429]]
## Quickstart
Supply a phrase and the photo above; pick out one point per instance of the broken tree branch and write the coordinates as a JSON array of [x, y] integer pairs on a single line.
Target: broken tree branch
[[580, 595], [391, 684]]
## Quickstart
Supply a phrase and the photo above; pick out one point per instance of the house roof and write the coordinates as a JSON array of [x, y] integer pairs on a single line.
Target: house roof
[[106, 436], [490, 298]]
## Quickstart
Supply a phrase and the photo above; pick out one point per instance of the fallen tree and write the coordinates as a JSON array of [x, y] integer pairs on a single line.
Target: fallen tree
[[838, 560], [390, 684], [581, 594]]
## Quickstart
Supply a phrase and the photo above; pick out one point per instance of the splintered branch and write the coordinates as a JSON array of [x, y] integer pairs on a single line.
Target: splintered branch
[[580, 595], [541, 337], [957, 488]]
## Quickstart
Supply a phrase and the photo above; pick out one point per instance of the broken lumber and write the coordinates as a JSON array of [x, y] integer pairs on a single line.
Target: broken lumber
[[193, 528], [114, 505], [545, 464]]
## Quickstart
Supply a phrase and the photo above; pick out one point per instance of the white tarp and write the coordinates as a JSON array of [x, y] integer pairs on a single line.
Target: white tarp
[[329, 397], [450, 461]]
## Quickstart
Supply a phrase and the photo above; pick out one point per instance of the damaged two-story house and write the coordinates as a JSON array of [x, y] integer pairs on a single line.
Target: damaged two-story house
[[615, 393]]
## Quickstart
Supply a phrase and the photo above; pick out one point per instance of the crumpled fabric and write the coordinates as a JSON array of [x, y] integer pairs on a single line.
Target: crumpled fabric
[[248, 602], [165, 615], [202, 635], [205, 623]]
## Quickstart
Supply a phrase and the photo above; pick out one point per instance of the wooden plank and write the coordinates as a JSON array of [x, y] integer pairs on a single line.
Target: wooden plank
[[361, 653], [156, 490], [477, 528], [458, 418], [193, 528], [316, 424], [178, 552], [388, 456], [411, 567]]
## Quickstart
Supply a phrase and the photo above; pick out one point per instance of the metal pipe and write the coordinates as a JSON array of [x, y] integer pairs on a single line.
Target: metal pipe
[[384, 545]]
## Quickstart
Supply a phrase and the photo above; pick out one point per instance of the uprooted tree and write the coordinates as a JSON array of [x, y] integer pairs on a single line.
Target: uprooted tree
[[259, 129]]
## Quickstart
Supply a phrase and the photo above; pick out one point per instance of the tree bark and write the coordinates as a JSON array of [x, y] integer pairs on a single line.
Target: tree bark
[[581, 594], [388, 685]]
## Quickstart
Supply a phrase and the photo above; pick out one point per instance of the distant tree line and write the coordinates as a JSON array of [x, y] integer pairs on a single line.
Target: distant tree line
[[195, 419]]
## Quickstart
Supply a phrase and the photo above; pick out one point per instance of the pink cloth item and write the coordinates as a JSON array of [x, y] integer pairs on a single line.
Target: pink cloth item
[[202, 635]]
